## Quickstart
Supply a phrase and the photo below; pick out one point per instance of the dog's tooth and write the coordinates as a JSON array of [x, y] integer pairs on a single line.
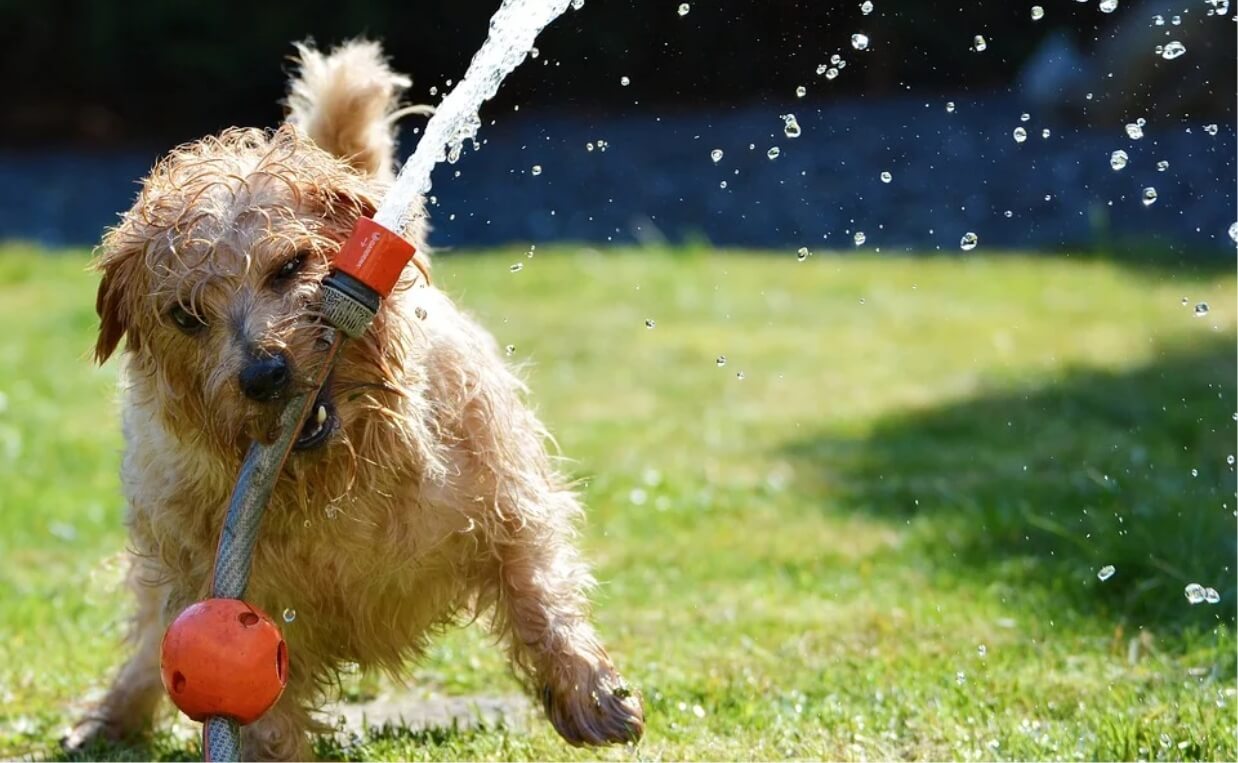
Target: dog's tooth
[[322, 415]]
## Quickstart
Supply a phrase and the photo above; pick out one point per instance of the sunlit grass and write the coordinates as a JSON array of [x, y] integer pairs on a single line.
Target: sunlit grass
[[923, 457]]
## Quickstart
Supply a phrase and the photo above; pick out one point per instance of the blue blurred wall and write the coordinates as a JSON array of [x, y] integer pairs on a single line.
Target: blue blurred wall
[[952, 173]]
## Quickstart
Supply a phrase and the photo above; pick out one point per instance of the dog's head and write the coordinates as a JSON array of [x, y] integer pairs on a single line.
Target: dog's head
[[212, 279]]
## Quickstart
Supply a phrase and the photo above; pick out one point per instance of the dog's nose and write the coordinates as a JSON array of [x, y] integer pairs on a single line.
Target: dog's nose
[[266, 377]]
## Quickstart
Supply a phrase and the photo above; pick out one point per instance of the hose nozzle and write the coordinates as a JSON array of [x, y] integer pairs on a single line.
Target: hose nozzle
[[366, 270]]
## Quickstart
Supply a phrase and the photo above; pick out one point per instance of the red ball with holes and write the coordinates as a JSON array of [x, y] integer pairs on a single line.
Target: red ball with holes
[[224, 657]]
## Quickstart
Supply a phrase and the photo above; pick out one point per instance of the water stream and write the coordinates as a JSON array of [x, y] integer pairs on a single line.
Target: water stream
[[513, 30]]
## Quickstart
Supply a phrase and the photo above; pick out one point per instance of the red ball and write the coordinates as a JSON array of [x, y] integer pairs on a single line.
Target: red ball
[[224, 657]]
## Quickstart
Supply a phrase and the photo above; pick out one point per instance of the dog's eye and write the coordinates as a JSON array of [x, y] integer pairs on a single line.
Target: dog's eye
[[290, 268], [185, 320]]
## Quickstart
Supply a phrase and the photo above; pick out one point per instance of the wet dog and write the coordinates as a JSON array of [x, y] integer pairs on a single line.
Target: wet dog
[[420, 492]]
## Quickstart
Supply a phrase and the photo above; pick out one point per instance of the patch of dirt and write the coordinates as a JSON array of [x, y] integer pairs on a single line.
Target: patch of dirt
[[420, 710]]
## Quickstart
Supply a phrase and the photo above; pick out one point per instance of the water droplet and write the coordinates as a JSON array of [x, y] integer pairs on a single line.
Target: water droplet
[[1172, 50], [1194, 472], [791, 126], [1038, 13], [578, 4], [536, 170], [1025, 117], [803, 254], [1108, 6], [801, 91], [1212, 596], [949, 107], [650, 323], [866, 7], [290, 614], [1195, 593], [510, 350], [1201, 309], [859, 41], [1118, 160], [739, 375], [1045, 133], [773, 152], [516, 267], [982, 650], [886, 177], [1211, 129], [698, 711], [1106, 572], [625, 80], [1149, 196], [979, 44], [721, 361], [1134, 130], [831, 73], [722, 185], [960, 678], [1162, 165], [859, 238], [716, 155], [1020, 135], [1233, 232], [969, 241], [1230, 459], [1008, 214], [684, 9]]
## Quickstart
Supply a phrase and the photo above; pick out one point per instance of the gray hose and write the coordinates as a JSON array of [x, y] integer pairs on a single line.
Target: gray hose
[[221, 737]]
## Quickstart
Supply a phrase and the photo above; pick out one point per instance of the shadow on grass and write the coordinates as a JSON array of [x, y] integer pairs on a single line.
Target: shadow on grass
[[1036, 490]]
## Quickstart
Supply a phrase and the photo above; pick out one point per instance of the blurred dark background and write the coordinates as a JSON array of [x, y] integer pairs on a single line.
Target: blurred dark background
[[96, 90]]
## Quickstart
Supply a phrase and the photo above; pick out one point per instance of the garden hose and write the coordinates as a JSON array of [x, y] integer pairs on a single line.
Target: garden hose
[[364, 272]]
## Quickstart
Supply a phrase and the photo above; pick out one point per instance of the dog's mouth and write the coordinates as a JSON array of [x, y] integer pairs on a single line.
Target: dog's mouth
[[323, 422]]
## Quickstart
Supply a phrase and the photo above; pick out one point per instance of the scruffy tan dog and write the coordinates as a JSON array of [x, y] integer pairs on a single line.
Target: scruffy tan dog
[[420, 493]]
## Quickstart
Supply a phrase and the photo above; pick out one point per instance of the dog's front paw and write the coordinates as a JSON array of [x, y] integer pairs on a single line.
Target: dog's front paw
[[600, 710], [91, 732]]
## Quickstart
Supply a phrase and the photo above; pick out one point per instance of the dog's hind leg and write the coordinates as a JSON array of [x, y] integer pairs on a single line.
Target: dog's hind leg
[[126, 711]]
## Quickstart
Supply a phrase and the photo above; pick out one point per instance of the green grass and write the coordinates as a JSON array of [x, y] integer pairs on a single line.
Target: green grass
[[881, 542]]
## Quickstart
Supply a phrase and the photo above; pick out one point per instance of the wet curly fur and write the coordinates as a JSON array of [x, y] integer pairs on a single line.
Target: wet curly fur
[[433, 500]]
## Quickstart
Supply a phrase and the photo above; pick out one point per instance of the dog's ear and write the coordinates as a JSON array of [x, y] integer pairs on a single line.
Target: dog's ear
[[345, 199], [114, 302]]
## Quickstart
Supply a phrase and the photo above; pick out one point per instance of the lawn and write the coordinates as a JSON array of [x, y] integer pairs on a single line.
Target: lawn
[[874, 531]]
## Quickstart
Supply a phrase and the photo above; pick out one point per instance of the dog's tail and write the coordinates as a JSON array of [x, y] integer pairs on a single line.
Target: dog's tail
[[348, 101]]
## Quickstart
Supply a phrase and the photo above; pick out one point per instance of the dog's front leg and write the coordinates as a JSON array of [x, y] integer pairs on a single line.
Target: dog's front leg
[[542, 594], [529, 568], [126, 711]]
